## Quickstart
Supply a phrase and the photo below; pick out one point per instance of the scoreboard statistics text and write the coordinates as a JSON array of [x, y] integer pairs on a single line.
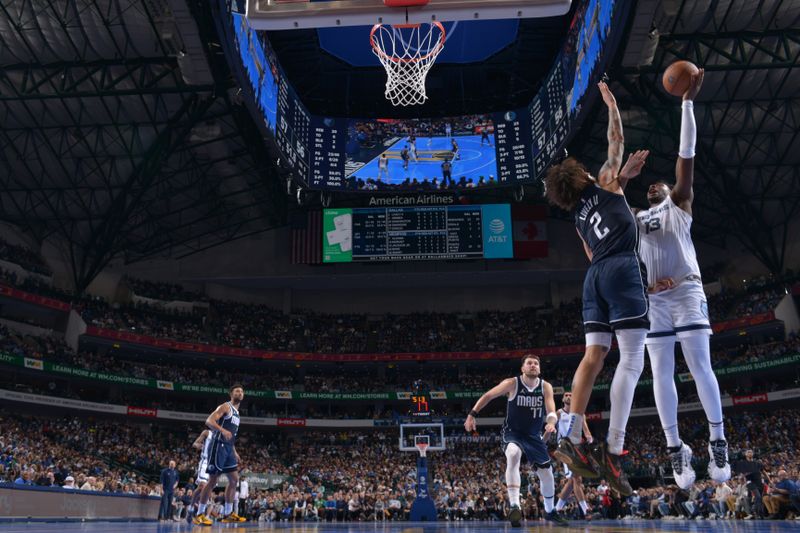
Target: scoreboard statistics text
[[417, 233]]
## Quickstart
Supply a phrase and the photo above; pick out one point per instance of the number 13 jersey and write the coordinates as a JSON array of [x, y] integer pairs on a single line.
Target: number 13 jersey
[[605, 221], [666, 246]]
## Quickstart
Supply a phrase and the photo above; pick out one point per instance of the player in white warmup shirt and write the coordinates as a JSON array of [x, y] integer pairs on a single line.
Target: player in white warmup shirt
[[678, 307], [574, 484], [202, 443]]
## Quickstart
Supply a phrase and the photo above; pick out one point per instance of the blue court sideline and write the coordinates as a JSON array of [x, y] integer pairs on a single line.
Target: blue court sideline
[[605, 526]]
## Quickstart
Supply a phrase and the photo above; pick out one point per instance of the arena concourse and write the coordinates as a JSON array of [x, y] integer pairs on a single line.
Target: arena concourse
[[242, 289]]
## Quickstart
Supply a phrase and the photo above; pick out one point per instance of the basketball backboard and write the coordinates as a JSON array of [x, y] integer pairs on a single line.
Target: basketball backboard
[[304, 14], [413, 434]]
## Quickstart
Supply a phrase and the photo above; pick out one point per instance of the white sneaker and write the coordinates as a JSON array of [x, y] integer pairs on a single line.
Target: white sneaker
[[719, 469], [682, 467]]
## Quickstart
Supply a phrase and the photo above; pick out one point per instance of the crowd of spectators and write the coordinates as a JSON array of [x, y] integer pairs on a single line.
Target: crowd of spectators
[[27, 259], [257, 326], [356, 475], [357, 377], [262, 327], [159, 290]]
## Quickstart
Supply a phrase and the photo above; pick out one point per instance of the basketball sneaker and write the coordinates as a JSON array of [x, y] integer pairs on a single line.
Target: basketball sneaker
[[233, 518], [577, 457], [556, 519], [681, 459], [611, 465], [515, 516], [718, 467], [202, 520]]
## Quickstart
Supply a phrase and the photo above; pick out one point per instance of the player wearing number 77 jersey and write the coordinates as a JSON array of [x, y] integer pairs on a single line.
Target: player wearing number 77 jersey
[[530, 408], [614, 296], [678, 308]]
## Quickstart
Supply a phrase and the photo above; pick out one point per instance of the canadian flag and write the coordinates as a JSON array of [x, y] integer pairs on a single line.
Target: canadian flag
[[530, 231]]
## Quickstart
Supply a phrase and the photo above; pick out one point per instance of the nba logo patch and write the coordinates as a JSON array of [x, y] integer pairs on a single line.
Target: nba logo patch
[[704, 308]]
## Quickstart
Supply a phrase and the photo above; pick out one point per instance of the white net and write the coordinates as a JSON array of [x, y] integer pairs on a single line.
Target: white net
[[407, 53]]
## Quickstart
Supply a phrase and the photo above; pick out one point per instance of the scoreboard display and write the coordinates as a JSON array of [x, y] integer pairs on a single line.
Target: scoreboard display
[[420, 405], [321, 152], [327, 144], [293, 129], [512, 132], [414, 233], [554, 111]]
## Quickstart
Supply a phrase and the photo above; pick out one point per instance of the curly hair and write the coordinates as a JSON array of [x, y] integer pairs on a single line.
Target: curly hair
[[565, 182]]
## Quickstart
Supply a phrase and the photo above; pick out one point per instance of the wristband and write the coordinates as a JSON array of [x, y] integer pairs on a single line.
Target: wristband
[[473, 413], [555, 418]]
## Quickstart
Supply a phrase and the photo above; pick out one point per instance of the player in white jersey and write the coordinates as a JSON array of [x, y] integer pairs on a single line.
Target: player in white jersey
[[202, 443], [678, 307], [383, 167], [574, 482]]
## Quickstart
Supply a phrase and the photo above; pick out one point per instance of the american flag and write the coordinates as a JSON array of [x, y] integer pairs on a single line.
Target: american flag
[[306, 237]]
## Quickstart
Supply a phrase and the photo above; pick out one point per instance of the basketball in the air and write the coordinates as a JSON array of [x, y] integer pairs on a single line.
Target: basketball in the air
[[678, 76]]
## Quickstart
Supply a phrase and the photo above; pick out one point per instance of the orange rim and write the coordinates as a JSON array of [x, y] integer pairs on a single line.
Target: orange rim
[[436, 49]]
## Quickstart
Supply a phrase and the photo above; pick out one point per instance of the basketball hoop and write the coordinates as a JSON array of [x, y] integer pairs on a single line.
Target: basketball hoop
[[407, 52], [422, 447]]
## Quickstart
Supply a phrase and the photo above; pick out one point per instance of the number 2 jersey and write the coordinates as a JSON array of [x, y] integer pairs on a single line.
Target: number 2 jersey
[[606, 223], [666, 243]]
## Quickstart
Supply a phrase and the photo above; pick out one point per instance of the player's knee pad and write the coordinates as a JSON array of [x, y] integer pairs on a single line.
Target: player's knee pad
[[513, 453], [547, 481]]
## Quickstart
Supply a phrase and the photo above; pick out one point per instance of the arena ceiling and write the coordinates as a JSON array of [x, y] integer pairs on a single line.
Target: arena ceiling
[[122, 134], [747, 168]]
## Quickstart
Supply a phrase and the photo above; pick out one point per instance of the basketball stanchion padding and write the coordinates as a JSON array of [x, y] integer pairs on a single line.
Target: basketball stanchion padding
[[423, 509]]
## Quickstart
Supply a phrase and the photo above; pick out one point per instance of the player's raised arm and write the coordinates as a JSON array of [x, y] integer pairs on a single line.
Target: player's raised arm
[[683, 193], [609, 178], [198, 442], [504, 388], [211, 421]]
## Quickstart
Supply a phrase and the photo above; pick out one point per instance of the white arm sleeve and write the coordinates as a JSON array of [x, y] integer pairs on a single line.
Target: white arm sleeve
[[688, 130]]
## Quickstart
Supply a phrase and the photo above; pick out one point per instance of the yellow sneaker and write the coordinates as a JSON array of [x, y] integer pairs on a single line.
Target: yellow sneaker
[[202, 520], [233, 518]]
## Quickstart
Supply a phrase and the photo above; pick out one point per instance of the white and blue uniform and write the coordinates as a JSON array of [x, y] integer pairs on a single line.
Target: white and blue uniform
[[563, 433], [525, 418], [668, 252], [202, 467], [614, 291], [222, 457]]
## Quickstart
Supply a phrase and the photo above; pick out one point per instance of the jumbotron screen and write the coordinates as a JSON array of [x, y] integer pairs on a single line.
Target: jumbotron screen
[[383, 154], [411, 233]]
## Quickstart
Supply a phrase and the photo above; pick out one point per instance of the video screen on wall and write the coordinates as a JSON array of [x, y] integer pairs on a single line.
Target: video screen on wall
[[384, 154], [454, 152], [413, 233]]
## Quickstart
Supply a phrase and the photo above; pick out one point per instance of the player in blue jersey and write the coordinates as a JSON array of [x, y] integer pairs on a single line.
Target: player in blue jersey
[[614, 295], [530, 409], [222, 457]]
